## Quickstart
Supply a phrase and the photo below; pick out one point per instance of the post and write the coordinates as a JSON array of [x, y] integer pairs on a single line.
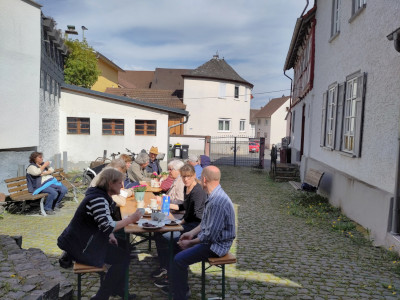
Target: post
[[261, 153], [57, 160], [104, 155], [65, 161], [234, 152], [21, 170]]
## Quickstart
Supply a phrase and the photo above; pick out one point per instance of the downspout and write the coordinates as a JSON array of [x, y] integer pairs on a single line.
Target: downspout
[[304, 9], [172, 126], [395, 37]]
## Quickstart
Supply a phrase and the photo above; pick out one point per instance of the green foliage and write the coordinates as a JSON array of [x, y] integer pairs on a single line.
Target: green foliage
[[81, 64]]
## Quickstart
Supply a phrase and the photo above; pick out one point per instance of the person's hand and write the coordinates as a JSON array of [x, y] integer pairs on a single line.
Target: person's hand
[[186, 236], [184, 244], [112, 240], [136, 215], [46, 164]]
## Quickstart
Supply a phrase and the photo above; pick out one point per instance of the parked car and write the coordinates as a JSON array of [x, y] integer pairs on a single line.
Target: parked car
[[254, 147]]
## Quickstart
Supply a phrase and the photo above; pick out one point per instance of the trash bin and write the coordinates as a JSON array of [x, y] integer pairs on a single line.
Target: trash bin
[[185, 151], [177, 151]]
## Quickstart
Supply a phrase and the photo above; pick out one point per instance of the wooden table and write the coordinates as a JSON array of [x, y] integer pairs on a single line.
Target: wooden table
[[129, 208]]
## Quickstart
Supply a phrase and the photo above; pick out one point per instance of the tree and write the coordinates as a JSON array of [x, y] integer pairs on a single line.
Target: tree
[[81, 65]]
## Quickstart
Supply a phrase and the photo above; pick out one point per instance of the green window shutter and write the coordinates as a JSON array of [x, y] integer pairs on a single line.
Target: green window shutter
[[323, 119], [361, 87], [339, 116]]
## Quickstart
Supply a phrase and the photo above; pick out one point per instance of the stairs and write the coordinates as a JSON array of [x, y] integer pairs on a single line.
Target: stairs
[[286, 172]]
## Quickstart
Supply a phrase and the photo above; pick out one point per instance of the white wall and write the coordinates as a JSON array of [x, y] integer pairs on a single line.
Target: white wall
[[205, 108], [84, 148], [20, 36], [278, 124], [382, 101], [362, 186]]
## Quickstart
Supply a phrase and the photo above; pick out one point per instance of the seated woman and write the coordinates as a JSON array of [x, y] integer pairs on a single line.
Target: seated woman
[[175, 191], [137, 171], [39, 180], [89, 237], [193, 205], [128, 162]]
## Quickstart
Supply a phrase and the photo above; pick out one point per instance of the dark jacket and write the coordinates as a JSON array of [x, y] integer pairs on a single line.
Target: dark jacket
[[34, 182], [83, 240], [150, 168]]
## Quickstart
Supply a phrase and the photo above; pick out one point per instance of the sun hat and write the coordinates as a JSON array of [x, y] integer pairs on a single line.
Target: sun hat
[[153, 150]]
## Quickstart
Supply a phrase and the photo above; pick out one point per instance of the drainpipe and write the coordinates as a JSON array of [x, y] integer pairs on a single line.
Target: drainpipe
[[395, 37], [172, 126], [304, 9]]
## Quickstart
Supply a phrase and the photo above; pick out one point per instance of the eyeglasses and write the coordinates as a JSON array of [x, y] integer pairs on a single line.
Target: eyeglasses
[[169, 170]]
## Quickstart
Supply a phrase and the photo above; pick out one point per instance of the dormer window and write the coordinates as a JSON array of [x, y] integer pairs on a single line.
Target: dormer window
[[236, 92]]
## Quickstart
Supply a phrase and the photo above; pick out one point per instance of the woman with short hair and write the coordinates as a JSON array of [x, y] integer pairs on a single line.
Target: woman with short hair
[[89, 237]]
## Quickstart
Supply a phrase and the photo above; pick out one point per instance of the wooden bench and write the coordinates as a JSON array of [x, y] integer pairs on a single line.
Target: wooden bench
[[81, 269], [313, 178], [18, 190], [219, 262]]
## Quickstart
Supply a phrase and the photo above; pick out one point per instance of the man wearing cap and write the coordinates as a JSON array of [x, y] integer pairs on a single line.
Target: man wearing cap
[[194, 161], [154, 164]]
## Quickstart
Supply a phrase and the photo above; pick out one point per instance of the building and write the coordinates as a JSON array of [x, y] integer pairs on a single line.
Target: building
[[31, 76], [270, 121], [218, 100], [345, 111], [91, 122], [109, 74], [253, 112]]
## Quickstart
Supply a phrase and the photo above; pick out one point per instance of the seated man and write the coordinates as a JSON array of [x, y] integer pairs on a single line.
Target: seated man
[[39, 180], [212, 238], [154, 163], [194, 161]]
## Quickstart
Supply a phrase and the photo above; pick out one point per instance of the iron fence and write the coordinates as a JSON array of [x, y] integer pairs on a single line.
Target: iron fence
[[237, 151]]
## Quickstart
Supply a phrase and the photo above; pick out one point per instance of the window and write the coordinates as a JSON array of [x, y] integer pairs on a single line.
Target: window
[[266, 122], [242, 125], [224, 125], [293, 119], [245, 94], [78, 125], [145, 127], [236, 92], [335, 18], [357, 5], [113, 127], [259, 121], [342, 115], [331, 97], [222, 90]]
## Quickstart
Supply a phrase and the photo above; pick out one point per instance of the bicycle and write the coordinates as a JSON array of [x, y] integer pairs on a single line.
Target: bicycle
[[132, 154], [85, 178]]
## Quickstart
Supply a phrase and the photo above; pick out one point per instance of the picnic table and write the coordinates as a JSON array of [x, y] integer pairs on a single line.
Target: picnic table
[[134, 229]]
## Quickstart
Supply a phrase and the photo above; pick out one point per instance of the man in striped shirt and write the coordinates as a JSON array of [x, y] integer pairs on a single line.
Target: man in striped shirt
[[212, 238]]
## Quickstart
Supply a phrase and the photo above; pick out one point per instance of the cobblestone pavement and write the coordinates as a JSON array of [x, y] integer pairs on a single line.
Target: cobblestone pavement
[[280, 256]]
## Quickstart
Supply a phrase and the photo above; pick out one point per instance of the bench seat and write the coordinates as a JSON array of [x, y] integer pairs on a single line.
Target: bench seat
[[81, 269]]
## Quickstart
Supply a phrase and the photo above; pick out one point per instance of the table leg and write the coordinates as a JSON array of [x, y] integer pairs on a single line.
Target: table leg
[[128, 244], [171, 259], [150, 241]]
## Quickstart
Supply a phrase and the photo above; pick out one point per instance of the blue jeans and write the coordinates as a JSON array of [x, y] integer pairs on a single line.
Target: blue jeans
[[55, 192], [162, 243], [180, 265]]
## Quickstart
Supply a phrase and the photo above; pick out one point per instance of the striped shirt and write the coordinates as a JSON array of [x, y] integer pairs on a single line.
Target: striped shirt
[[100, 210], [218, 222]]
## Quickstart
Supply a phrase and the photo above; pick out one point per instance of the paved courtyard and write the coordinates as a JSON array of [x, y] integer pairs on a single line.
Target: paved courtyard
[[280, 256]]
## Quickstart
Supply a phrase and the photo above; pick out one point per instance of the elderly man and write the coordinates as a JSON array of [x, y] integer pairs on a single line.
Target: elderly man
[[154, 163], [212, 238], [194, 161], [137, 171]]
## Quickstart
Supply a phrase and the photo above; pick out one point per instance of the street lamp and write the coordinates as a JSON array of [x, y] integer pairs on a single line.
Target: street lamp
[[83, 31]]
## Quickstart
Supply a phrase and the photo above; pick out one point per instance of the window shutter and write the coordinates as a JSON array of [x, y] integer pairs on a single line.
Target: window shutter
[[361, 81], [334, 115], [339, 116], [323, 119]]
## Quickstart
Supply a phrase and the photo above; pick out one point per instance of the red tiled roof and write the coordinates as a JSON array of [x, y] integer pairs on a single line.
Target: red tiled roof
[[253, 113], [271, 107], [168, 79], [161, 97]]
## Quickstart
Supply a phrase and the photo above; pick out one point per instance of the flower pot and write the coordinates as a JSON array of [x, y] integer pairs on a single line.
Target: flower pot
[[155, 183], [139, 196]]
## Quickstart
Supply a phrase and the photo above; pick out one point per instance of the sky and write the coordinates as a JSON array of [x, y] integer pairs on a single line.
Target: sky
[[253, 36]]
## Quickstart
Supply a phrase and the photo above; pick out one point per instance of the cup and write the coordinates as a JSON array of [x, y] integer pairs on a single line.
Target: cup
[[153, 203], [140, 204]]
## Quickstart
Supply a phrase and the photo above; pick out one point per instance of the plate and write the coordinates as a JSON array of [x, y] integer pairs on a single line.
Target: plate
[[155, 225], [149, 226], [172, 223]]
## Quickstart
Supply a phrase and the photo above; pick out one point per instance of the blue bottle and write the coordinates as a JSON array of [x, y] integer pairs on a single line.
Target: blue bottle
[[165, 204]]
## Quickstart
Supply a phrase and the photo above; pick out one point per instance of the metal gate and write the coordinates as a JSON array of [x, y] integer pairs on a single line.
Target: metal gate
[[237, 151]]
